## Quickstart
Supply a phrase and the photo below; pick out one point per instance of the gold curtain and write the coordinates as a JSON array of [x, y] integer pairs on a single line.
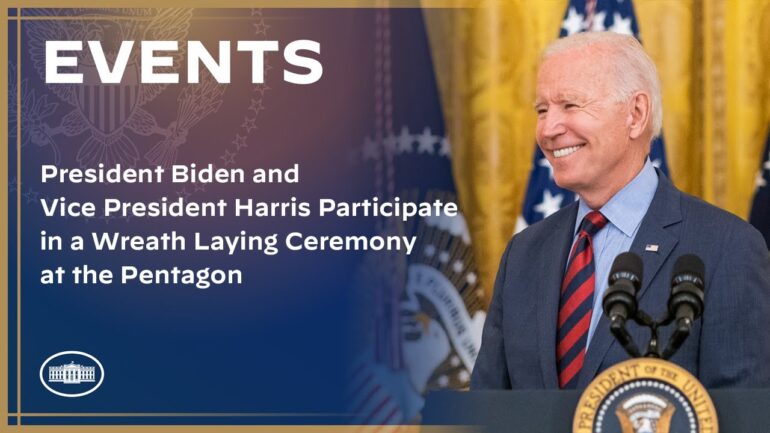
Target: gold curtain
[[713, 57]]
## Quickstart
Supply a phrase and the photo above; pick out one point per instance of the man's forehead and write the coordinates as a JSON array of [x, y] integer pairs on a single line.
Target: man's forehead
[[562, 95], [568, 77]]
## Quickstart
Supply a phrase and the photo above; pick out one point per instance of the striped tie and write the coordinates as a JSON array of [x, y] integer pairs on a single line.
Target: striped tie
[[576, 302]]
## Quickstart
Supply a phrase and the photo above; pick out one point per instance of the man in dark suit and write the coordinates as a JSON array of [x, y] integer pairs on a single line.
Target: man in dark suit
[[598, 104]]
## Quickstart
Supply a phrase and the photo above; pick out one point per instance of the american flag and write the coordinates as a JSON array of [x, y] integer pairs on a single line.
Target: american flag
[[760, 208], [421, 314], [543, 196]]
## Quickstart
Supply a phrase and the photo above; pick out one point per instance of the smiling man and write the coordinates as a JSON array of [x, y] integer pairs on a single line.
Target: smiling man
[[599, 107]]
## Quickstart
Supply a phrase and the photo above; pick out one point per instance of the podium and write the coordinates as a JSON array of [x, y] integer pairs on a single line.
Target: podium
[[739, 410]]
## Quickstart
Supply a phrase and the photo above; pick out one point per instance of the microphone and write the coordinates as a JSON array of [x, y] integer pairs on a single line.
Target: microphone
[[619, 301], [686, 302]]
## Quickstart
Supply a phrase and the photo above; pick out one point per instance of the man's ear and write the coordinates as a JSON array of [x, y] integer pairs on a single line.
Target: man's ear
[[640, 113]]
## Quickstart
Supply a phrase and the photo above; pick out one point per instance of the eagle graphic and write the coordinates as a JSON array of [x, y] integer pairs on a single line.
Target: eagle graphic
[[108, 111]]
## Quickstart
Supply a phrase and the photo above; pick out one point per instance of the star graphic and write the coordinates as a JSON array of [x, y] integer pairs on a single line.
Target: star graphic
[[228, 158], [184, 193], [240, 141], [550, 203], [573, 23], [31, 195], [256, 106], [445, 148], [621, 25], [370, 149], [260, 28], [544, 163], [260, 88], [597, 25], [426, 141], [249, 123], [390, 143], [12, 185], [405, 141], [200, 187]]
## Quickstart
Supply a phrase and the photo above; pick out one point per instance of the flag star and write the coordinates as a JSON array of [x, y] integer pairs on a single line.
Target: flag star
[[405, 141], [443, 257], [521, 224], [426, 141], [445, 149], [390, 143], [370, 149], [597, 25], [621, 25], [759, 180], [550, 204], [767, 165], [457, 266], [471, 278], [544, 163], [573, 23]]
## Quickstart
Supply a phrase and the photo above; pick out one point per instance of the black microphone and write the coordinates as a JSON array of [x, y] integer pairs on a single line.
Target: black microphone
[[619, 301], [686, 301]]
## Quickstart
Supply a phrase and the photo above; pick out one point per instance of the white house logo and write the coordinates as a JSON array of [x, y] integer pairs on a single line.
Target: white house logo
[[71, 374]]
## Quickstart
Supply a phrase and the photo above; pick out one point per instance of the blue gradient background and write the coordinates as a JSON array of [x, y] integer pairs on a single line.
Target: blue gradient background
[[280, 342]]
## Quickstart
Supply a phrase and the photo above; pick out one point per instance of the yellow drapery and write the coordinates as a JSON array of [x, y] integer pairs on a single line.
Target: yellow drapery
[[713, 57]]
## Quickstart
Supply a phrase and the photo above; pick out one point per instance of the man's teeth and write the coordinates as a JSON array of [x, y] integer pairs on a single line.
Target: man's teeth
[[566, 151]]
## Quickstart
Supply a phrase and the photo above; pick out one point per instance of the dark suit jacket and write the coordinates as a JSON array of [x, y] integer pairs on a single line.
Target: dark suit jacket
[[728, 346]]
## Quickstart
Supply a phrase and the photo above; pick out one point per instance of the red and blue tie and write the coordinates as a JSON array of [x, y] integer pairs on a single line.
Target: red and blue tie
[[576, 302]]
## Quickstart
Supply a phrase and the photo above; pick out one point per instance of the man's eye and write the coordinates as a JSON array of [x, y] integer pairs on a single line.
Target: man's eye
[[568, 106], [541, 111]]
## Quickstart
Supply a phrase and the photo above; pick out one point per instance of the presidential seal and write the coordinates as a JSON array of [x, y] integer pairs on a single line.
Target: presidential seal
[[645, 395]]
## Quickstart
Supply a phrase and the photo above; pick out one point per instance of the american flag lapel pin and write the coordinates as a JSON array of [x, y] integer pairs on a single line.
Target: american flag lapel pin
[[651, 247]]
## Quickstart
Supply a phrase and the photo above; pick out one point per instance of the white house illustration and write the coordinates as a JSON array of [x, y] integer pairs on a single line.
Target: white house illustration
[[71, 373]]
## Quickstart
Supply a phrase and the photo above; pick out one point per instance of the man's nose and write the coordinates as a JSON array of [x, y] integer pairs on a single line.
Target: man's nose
[[551, 124]]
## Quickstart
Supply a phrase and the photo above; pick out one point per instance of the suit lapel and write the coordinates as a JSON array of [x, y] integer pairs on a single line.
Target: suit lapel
[[664, 211], [548, 276]]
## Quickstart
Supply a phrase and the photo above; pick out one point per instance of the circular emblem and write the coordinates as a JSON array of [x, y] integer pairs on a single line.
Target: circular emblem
[[71, 373], [645, 395]]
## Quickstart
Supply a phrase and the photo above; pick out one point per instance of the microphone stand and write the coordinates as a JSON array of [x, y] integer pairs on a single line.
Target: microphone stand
[[682, 331]]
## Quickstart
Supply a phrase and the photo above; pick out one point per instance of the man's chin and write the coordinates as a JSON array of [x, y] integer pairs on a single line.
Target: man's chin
[[566, 182]]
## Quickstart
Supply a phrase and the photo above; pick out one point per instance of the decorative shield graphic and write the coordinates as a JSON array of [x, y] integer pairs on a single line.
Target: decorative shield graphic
[[107, 106]]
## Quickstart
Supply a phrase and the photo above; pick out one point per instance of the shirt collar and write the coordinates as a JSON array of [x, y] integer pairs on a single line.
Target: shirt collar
[[628, 206]]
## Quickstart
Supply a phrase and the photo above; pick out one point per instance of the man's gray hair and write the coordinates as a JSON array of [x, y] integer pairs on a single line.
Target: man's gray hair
[[631, 66]]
